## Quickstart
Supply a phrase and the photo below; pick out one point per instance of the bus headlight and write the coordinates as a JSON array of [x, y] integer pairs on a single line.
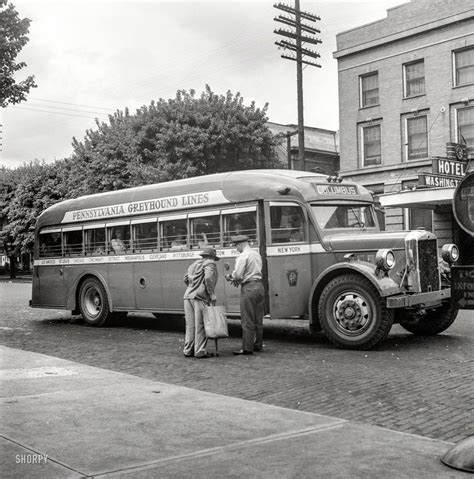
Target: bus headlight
[[385, 259], [450, 253]]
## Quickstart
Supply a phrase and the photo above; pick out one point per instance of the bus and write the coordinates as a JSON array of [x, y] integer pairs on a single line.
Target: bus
[[325, 259]]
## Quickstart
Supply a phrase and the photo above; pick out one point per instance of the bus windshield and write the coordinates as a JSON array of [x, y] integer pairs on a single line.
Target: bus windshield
[[343, 216]]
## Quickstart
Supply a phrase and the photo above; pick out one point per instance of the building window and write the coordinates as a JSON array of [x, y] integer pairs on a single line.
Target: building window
[[416, 218], [372, 145], [464, 66], [369, 90], [414, 75], [465, 123], [417, 138]]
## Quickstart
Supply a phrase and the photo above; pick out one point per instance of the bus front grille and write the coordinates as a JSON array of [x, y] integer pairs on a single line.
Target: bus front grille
[[428, 264]]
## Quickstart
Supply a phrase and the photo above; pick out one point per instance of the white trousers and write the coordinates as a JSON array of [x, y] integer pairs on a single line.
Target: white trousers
[[195, 339]]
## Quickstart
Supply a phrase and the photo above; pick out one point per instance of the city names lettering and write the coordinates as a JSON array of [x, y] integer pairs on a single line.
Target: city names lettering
[[289, 249], [346, 190]]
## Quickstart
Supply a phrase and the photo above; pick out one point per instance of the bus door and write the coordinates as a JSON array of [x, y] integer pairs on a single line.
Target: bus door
[[50, 274], [236, 221], [120, 265], [288, 259], [147, 266]]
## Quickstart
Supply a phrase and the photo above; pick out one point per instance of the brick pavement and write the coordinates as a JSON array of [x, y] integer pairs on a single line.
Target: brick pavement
[[417, 385]]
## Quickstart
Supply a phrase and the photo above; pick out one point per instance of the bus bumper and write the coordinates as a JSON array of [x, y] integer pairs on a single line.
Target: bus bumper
[[425, 300]]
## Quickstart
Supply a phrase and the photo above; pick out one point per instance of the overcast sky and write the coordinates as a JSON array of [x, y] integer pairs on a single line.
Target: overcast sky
[[91, 58]]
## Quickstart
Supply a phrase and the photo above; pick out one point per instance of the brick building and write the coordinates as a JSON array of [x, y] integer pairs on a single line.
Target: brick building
[[406, 89], [321, 148]]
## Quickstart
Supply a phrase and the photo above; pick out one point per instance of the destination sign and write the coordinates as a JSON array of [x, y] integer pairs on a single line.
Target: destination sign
[[438, 181], [449, 167], [462, 286], [343, 190], [156, 205]]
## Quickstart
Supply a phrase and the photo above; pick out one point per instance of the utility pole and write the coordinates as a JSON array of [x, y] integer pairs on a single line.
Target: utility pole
[[296, 47]]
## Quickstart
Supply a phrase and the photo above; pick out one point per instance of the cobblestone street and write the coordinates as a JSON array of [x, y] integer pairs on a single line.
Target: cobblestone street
[[417, 385]]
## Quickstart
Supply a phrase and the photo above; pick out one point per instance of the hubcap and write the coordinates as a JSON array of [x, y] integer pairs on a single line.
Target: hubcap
[[352, 313], [92, 302]]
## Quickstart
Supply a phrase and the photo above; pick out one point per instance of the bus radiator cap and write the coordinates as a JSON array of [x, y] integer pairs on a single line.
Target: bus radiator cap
[[461, 455]]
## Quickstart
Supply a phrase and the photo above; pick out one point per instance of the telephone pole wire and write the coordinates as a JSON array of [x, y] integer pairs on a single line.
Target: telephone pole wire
[[298, 54]]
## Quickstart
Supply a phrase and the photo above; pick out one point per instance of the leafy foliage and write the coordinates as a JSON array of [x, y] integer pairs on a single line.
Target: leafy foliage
[[13, 37], [35, 186], [177, 138]]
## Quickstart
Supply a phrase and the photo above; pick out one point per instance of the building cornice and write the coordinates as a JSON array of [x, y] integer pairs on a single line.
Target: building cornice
[[417, 30]]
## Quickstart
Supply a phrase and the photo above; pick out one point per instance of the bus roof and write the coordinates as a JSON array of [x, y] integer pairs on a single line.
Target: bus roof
[[217, 189]]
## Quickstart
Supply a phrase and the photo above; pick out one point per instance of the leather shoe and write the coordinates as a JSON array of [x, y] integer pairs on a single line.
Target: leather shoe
[[204, 356], [241, 351]]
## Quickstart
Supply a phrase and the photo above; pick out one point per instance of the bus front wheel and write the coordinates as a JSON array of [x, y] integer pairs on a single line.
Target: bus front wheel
[[352, 314], [93, 302]]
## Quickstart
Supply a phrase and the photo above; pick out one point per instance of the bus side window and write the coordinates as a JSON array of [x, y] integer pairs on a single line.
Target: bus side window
[[240, 224], [174, 235], [287, 224], [145, 237], [205, 230], [73, 243], [95, 241], [50, 245], [119, 239]]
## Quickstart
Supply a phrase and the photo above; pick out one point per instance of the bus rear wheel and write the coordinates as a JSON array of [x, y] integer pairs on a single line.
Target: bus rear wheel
[[93, 302], [352, 314]]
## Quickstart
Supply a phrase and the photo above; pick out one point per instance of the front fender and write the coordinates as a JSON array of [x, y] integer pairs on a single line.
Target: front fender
[[71, 294], [385, 285]]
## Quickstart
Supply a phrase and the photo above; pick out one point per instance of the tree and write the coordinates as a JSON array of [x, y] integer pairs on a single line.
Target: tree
[[34, 187], [178, 138], [13, 37]]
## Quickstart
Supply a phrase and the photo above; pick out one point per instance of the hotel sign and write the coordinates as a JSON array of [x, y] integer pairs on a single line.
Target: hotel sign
[[438, 181], [442, 166]]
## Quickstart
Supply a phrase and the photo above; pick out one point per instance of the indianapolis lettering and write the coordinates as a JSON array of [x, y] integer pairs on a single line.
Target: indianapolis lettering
[[137, 207]]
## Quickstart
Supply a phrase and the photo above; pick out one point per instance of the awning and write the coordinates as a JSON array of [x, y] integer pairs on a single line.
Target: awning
[[421, 198]]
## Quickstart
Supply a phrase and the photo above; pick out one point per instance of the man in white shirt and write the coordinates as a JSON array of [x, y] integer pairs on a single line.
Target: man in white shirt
[[248, 273]]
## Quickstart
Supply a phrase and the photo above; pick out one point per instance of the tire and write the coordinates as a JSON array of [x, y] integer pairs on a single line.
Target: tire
[[352, 314], [433, 322], [93, 302]]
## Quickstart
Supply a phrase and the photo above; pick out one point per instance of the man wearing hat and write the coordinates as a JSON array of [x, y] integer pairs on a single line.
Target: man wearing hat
[[200, 280], [248, 273]]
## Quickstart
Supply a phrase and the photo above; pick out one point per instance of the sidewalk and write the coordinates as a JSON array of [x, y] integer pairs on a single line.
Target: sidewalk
[[95, 422], [20, 278]]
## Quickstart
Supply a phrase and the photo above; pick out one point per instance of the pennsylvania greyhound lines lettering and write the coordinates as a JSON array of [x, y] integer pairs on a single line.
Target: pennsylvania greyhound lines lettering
[[147, 206]]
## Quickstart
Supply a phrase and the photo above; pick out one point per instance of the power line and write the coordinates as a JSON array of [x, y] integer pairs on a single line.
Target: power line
[[75, 110], [72, 104], [52, 112]]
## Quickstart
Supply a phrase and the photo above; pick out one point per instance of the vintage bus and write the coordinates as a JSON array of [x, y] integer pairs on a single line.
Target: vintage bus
[[325, 258]]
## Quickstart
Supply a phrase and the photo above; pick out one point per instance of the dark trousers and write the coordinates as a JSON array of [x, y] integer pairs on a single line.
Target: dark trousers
[[251, 315]]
